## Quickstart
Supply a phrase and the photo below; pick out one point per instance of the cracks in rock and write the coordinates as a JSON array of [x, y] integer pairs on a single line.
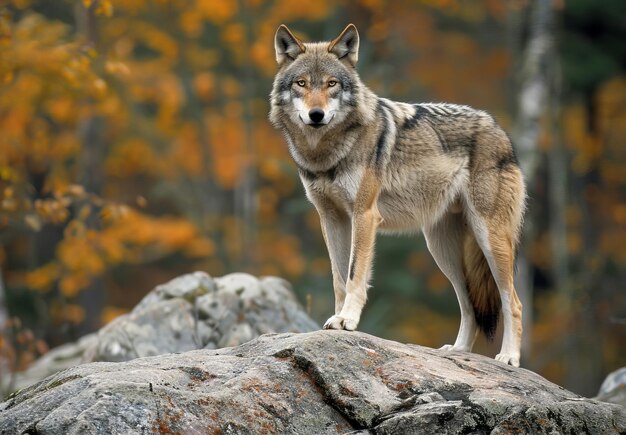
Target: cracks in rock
[[581, 419], [156, 402], [271, 410], [404, 406], [317, 380], [32, 430], [479, 417], [15, 398], [462, 366], [445, 404], [470, 417], [59, 382], [163, 421], [196, 374], [475, 419]]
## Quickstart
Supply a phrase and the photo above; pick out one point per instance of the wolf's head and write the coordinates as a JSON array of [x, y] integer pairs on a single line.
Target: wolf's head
[[316, 86]]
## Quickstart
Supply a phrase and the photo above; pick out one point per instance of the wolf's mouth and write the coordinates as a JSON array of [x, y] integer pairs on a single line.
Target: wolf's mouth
[[312, 124], [315, 124]]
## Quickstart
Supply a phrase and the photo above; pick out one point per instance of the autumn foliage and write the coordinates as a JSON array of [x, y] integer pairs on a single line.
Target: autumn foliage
[[135, 146]]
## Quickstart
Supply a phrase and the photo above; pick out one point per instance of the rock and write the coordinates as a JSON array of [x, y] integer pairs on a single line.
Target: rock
[[613, 389], [57, 359], [323, 382], [193, 311], [163, 327]]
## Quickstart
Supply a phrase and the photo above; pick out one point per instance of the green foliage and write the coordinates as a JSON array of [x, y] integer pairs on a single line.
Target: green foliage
[[592, 43]]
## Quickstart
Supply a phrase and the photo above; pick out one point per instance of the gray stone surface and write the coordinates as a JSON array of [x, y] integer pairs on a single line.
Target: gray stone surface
[[193, 311], [613, 389], [323, 382]]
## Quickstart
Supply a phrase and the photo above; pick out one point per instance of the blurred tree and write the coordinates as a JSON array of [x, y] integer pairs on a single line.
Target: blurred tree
[[4, 314], [593, 53], [535, 66], [90, 171], [53, 217]]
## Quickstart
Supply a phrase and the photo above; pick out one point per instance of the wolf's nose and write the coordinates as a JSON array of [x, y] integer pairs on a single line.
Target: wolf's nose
[[316, 114]]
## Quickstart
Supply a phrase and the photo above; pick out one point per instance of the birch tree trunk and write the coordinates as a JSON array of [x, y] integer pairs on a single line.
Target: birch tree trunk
[[531, 103]]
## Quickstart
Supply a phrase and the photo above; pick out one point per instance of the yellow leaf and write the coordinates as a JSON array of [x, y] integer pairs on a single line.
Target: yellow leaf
[[71, 285], [6, 173], [43, 277], [74, 313], [105, 8]]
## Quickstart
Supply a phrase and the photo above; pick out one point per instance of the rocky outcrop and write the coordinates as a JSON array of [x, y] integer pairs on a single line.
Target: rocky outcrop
[[193, 311], [613, 389], [323, 382]]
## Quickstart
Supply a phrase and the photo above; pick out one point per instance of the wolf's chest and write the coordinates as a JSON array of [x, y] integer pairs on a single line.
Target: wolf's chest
[[340, 188]]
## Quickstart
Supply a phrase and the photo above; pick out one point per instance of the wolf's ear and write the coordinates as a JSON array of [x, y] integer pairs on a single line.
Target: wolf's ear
[[287, 46], [346, 45]]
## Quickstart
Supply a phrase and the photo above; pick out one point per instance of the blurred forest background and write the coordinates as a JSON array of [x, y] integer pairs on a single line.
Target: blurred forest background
[[135, 146]]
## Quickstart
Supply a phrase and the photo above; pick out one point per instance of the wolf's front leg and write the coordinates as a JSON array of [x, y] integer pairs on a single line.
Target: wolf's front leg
[[365, 221], [336, 229]]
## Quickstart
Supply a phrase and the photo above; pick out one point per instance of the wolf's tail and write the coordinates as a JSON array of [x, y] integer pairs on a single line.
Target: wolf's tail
[[481, 286]]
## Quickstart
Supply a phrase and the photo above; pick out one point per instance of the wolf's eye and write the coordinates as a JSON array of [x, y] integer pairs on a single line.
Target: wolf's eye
[[332, 83], [301, 83]]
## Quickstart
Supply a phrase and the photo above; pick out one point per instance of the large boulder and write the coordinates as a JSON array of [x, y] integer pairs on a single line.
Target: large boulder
[[613, 389], [193, 311], [323, 382]]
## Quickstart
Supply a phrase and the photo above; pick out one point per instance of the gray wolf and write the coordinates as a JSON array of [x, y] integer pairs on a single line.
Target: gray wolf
[[369, 164]]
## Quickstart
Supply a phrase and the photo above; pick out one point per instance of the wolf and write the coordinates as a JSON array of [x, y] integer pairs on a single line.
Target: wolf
[[369, 165]]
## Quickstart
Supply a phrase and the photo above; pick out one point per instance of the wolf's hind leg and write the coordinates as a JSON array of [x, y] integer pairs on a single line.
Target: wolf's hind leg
[[498, 246], [445, 243], [496, 205]]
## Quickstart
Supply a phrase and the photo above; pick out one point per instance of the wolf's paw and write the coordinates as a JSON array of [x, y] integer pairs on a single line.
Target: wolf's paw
[[338, 322], [452, 347], [506, 358]]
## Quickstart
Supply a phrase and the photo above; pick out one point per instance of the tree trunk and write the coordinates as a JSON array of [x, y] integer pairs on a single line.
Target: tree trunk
[[4, 311], [530, 106], [590, 290], [245, 201], [558, 164], [91, 177]]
